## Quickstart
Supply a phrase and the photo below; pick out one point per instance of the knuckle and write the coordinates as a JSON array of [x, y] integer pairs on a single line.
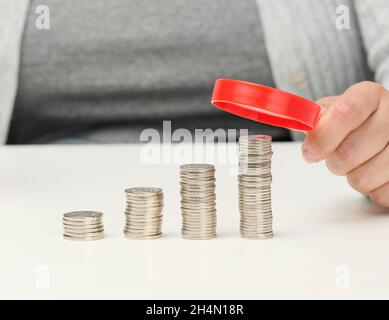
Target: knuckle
[[371, 85], [376, 86], [345, 157], [357, 180], [317, 145], [333, 166], [385, 100], [345, 110], [380, 198], [320, 149]]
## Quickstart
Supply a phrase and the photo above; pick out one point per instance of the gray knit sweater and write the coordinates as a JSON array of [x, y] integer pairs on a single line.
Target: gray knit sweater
[[311, 57], [308, 54], [133, 64]]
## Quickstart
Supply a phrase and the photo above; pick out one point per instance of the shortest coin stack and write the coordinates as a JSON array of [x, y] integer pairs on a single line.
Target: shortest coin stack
[[198, 201], [143, 213], [83, 225]]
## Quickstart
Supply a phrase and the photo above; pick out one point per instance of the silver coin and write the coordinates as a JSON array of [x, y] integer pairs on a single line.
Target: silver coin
[[143, 195], [141, 234], [143, 223], [82, 215], [201, 237], [249, 221], [82, 230], [198, 191], [255, 204], [144, 211], [82, 224], [81, 235], [256, 229], [195, 196], [143, 219], [82, 221], [148, 208], [197, 175], [138, 201], [136, 237], [143, 226], [257, 213], [258, 217], [255, 209], [143, 201], [199, 217], [194, 182], [139, 205], [148, 232], [86, 238], [142, 205], [199, 221], [259, 237], [203, 207], [68, 227], [199, 225], [193, 168], [144, 190], [198, 231]]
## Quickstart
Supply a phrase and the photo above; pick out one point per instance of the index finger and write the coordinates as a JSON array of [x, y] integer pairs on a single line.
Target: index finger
[[341, 116]]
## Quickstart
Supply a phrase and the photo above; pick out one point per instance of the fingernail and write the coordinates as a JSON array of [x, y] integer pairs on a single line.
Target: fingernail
[[309, 156]]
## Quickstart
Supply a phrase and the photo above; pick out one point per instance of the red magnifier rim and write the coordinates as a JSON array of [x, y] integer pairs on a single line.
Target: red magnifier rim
[[265, 104]]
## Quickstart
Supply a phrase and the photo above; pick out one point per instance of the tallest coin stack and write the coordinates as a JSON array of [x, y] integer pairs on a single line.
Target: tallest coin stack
[[256, 219]]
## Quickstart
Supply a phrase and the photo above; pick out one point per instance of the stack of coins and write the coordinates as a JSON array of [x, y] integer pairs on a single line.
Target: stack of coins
[[256, 219], [83, 225], [143, 213], [198, 201]]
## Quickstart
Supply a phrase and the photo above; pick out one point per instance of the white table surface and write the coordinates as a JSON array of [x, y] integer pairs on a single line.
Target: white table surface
[[324, 232]]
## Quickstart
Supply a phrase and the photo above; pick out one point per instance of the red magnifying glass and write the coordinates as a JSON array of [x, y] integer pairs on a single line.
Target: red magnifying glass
[[265, 104]]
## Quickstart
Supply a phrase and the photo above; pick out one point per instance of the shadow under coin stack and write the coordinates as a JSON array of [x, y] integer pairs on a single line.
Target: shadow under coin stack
[[256, 219], [143, 213], [198, 201], [83, 225]]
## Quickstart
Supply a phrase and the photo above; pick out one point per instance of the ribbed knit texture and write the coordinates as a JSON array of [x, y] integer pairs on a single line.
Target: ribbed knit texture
[[12, 16], [309, 55], [107, 70], [374, 20]]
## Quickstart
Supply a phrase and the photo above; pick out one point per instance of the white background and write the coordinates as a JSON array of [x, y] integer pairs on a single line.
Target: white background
[[320, 225]]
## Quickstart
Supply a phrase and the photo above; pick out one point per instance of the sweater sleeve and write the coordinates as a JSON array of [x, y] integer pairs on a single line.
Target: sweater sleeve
[[374, 23], [12, 18]]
